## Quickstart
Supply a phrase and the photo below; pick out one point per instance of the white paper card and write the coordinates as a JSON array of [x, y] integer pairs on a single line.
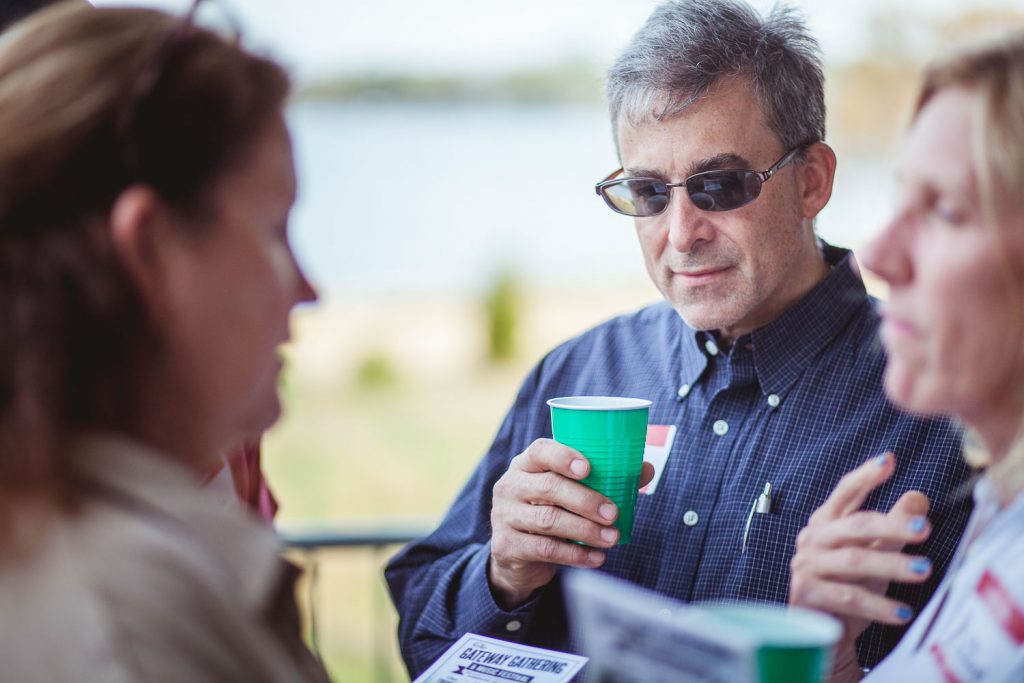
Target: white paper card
[[479, 658]]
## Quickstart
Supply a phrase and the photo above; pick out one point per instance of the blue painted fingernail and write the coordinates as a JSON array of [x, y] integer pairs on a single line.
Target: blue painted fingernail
[[917, 524], [903, 612], [882, 459], [920, 565]]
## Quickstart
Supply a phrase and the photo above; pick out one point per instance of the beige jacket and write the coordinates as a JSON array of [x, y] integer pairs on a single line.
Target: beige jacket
[[152, 581]]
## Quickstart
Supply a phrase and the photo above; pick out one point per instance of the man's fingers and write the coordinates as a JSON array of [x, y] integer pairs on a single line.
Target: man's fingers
[[854, 487], [547, 455], [549, 520], [551, 489], [529, 548]]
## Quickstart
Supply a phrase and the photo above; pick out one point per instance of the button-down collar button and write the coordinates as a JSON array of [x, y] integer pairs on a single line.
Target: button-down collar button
[[684, 391], [690, 518], [513, 625], [774, 400], [711, 346], [721, 427]]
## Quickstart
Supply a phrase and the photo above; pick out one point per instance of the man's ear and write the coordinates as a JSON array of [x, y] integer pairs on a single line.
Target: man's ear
[[138, 223], [818, 172]]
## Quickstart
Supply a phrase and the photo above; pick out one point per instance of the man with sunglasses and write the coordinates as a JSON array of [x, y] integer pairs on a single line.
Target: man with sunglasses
[[762, 364]]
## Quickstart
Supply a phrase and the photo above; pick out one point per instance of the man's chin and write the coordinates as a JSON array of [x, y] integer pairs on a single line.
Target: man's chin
[[704, 317]]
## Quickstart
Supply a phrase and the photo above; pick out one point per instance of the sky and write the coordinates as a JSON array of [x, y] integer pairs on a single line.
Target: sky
[[317, 38]]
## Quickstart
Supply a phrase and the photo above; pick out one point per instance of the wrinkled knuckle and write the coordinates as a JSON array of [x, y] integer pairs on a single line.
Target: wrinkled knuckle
[[535, 449], [547, 548], [548, 485], [545, 517], [519, 462]]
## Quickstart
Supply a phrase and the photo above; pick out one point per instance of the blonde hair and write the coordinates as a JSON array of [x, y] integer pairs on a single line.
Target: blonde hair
[[993, 72]]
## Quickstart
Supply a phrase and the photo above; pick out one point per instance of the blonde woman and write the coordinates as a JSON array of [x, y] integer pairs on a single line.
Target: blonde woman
[[146, 281], [953, 256]]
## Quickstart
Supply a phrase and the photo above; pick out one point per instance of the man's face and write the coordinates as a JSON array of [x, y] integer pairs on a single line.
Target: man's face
[[731, 271]]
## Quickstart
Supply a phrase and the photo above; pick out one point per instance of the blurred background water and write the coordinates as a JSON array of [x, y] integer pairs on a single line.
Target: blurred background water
[[397, 197]]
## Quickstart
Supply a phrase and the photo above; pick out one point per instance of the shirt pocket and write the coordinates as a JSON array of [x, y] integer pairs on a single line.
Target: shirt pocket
[[764, 562]]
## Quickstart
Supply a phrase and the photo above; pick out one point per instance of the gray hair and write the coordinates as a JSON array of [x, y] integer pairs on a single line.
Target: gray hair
[[686, 46]]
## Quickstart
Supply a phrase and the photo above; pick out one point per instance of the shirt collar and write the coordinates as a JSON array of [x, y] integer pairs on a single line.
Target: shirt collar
[[693, 360], [151, 485], [784, 347]]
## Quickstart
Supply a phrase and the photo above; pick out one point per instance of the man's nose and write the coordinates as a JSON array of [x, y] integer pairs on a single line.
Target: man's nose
[[687, 225]]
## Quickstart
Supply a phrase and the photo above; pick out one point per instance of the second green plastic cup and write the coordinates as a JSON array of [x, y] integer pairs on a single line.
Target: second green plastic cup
[[611, 433], [793, 645]]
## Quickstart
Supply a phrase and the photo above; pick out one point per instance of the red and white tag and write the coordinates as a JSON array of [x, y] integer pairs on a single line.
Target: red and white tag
[[1002, 607], [659, 445], [985, 635]]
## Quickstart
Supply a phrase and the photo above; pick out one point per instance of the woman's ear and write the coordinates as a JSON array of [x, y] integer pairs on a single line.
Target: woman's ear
[[138, 220], [818, 172]]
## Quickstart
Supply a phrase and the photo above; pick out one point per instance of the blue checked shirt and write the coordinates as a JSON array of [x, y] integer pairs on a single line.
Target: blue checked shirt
[[797, 403]]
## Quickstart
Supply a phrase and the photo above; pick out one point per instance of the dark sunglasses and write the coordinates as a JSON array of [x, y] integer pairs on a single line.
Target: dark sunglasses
[[717, 190]]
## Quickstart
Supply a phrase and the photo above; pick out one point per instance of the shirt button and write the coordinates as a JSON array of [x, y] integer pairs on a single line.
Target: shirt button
[[665, 612], [721, 427], [684, 391], [514, 625], [711, 346], [690, 518], [774, 400]]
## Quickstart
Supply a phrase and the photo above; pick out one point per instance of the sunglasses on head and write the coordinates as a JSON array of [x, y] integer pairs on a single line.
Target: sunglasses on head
[[717, 190]]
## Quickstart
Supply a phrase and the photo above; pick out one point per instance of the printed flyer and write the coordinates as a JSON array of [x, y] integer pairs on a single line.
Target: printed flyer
[[478, 658]]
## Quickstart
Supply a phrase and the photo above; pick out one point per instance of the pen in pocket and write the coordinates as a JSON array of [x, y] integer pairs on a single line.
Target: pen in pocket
[[762, 505]]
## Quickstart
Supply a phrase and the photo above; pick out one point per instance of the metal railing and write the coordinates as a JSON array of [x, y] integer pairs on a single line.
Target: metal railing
[[379, 538]]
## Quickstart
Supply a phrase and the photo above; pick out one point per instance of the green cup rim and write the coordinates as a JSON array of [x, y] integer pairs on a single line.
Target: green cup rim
[[816, 629], [598, 403]]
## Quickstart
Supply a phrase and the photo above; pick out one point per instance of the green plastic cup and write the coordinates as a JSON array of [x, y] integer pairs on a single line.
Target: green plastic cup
[[610, 432], [794, 645]]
